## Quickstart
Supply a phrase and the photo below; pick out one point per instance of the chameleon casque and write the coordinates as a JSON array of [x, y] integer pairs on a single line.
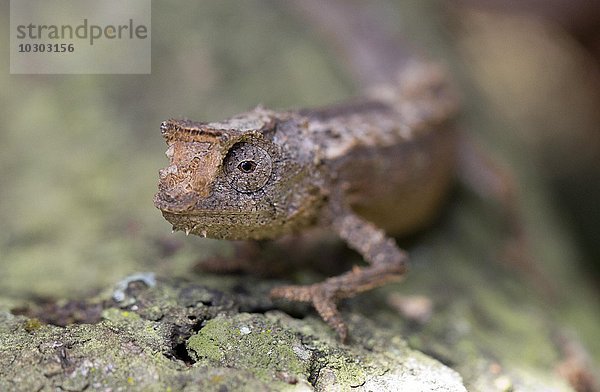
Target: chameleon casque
[[368, 169]]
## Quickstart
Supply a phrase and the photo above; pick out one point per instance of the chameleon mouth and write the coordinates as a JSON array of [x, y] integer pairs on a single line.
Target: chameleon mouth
[[211, 213], [181, 205], [187, 207]]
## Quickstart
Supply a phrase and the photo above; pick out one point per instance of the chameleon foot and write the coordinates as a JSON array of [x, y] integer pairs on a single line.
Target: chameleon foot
[[322, 298], [386, 263]]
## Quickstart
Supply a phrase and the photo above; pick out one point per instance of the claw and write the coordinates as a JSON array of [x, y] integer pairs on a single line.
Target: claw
[[329, 312], [323, 302]]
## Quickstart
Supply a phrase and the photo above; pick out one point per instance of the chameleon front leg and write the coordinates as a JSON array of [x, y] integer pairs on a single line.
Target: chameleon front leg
[[387, 262]]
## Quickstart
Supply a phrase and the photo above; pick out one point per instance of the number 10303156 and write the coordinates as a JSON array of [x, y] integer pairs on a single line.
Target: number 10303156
[[46, 48]]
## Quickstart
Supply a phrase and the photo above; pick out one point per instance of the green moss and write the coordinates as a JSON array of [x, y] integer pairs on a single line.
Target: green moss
[[206, 343], [249, 342], [118, 315], [347, 370], [32, 325]]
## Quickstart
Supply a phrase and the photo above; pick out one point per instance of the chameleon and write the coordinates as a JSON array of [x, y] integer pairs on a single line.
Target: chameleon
[[367, 170]]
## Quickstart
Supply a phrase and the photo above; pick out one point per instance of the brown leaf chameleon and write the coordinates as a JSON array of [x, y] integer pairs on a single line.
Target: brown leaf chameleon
[[367, 169]]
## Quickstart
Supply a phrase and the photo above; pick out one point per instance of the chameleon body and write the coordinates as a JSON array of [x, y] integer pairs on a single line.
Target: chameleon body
[[368, 169]]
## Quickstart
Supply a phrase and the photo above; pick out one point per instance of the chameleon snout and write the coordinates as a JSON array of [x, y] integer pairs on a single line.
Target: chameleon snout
[[171, 200]]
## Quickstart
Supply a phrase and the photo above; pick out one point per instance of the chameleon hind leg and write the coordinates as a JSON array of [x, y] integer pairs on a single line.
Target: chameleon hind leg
[[387, 262], [491, 181]]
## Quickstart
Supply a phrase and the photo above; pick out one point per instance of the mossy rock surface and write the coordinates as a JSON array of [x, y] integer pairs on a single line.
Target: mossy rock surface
[[200, 341], [172, 334]]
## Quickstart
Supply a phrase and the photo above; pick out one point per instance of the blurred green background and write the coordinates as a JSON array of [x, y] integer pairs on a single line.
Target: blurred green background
[[79, 154]]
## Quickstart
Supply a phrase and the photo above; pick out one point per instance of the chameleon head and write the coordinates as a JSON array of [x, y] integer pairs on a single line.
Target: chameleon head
[[223, 179]]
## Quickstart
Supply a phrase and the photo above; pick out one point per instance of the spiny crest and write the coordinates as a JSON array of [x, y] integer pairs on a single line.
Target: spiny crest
[[192, 131], [251, 124]]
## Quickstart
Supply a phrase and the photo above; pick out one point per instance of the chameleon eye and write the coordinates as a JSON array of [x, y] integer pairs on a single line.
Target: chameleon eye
[[247, 167]]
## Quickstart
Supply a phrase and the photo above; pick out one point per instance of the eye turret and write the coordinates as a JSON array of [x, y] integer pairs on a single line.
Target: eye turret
[[247, 167]]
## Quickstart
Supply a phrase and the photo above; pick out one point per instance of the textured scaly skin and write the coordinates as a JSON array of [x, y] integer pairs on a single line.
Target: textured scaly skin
[[367, 169]]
